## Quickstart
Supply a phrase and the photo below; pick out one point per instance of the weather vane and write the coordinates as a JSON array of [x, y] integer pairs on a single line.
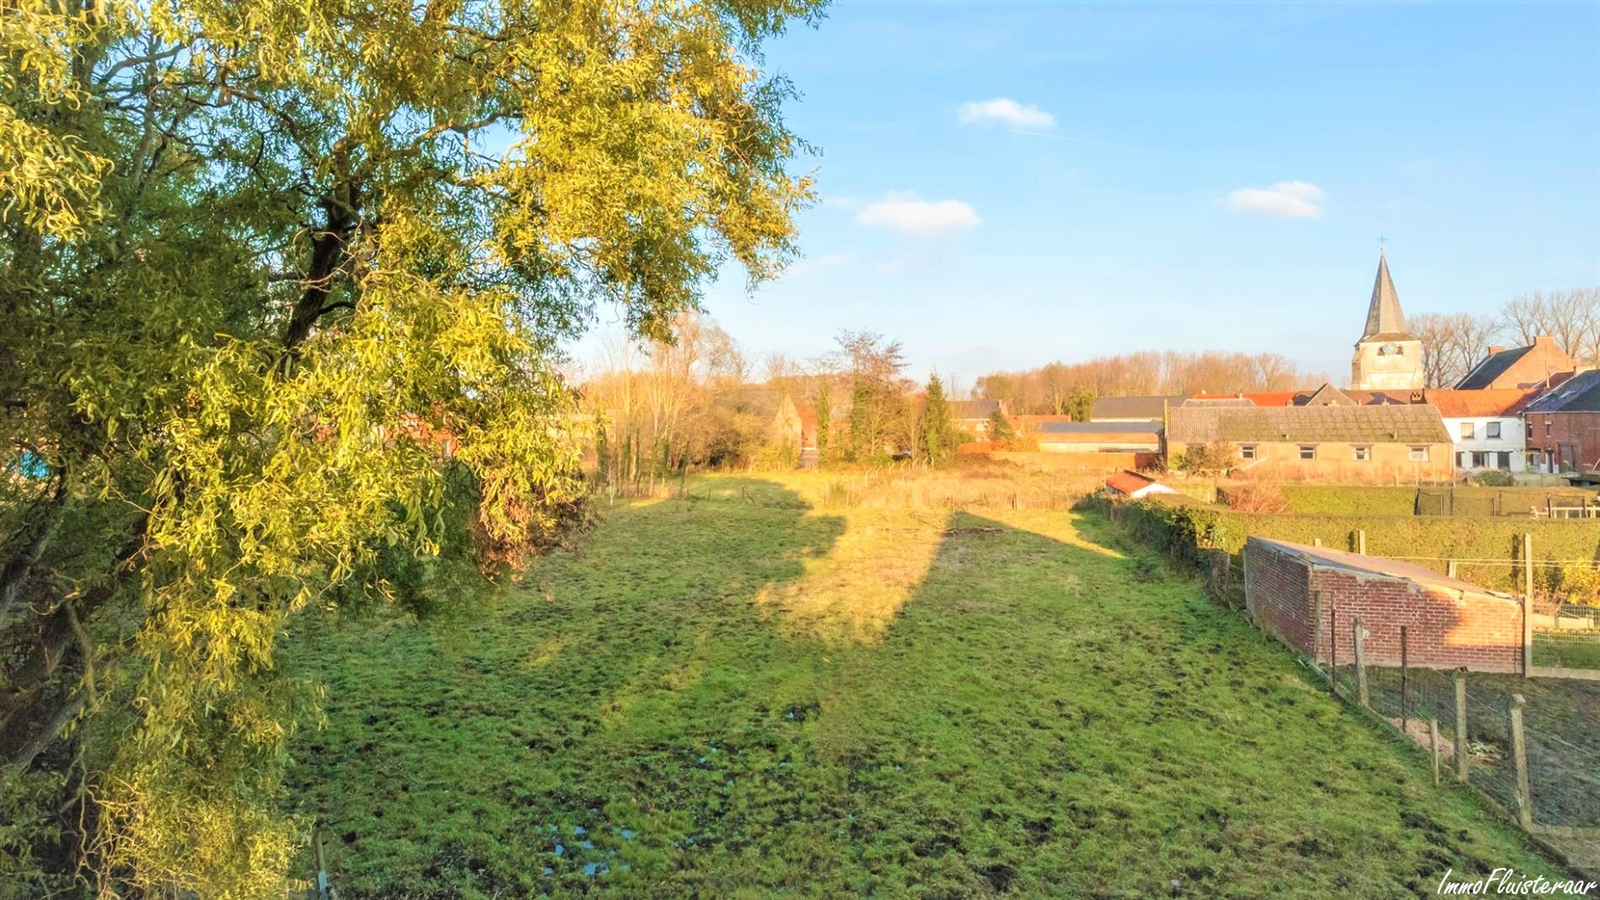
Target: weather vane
[[1381, 239]]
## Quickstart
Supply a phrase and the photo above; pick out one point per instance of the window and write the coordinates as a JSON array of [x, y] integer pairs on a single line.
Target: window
[[1469, 431], [1363, 454], [1419, 454], [1530, 429], [1546, 426], [1480, 460], [1247, 451], [1492, 430], [1308, 451]]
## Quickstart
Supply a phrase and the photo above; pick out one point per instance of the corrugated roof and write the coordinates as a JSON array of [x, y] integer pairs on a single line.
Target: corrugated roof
[[1580, 393], [1412, 424], [1134, 407], [1461, 404]]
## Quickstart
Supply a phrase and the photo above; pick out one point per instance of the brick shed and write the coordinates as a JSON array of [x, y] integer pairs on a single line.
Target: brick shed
[[1291, 588]]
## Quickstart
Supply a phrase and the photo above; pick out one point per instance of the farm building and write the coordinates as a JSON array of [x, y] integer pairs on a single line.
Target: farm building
[[1346, 444], [1310, 597], [972, 416], [1099, 437], [1133, 409]]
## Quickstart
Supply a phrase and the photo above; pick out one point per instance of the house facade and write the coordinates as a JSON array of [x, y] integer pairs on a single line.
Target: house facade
[[972, 416], [1380, 444], [1485, 427], [1562, 426]]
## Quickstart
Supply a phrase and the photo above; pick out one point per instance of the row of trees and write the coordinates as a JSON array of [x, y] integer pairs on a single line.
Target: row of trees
[[658, 406], [1070, 388], [1452, 343]]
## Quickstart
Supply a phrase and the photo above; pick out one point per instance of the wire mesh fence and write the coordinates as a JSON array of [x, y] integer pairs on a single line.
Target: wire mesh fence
[[1570, 503]]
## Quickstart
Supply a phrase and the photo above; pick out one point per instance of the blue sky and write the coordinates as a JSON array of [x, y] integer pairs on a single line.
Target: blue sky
[[1186, 177]]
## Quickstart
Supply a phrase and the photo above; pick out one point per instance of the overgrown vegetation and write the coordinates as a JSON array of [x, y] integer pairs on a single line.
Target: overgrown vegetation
[[755, 692], [283, 286]]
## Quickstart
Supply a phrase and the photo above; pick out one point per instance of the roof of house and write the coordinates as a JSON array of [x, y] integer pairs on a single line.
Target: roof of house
[[1141, 428], [1039, 421], [1384, 319], [973, 409], [1218, 401], [1128, 481], [1453, 404], [1260, 398], [1548, 361], [1408, 424], [1134, 407], [1580, 393]]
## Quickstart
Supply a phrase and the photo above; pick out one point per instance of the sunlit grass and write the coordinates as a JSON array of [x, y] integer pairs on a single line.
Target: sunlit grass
[[748, 692]]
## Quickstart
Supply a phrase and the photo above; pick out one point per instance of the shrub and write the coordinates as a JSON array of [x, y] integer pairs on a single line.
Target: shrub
[[1206, 459]]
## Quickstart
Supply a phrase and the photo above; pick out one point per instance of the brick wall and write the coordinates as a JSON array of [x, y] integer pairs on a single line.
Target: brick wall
[[1577, 432], [1286, 589]]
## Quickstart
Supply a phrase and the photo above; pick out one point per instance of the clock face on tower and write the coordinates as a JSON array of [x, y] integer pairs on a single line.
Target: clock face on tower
[[1390, 349]]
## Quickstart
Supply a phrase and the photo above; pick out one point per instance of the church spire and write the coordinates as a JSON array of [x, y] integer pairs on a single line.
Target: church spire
[[1383, 316]]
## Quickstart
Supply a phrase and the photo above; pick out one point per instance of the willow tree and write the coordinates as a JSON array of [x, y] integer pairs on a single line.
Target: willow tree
[[283, 286]]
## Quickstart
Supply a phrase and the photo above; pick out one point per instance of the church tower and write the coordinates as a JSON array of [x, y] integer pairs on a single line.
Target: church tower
[[1388, 358]]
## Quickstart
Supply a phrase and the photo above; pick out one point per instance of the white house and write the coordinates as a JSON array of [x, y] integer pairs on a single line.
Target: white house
[[1485, 426]]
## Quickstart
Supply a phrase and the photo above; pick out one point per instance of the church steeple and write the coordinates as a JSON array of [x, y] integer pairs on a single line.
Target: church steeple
[[1384, 318]]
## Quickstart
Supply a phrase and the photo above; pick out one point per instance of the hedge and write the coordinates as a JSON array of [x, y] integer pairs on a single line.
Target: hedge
[[1350, 501], [1464, 500], [1187, 529]]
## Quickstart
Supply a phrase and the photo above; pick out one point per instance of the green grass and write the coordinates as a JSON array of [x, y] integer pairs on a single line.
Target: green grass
[[747, 694]]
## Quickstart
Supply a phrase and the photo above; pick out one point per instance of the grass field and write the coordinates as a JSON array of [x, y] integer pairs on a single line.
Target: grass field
[[764, 690]]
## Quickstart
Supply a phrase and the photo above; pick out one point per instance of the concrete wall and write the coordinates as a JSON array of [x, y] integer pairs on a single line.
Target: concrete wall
[[1287, 591]]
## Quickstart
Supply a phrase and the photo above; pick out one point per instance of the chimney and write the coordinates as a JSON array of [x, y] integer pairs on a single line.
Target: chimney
[[1496, 348], [1543, 340]]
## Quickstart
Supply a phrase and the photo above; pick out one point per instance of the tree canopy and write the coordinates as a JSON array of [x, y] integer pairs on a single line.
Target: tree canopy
[[283, 287]]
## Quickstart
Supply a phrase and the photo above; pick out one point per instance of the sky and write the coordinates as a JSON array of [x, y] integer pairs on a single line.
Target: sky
[[1002, 185]]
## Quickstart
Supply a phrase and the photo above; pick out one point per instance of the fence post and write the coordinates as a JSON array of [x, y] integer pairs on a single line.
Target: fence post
[[1405, 686], [1519, 755], [1361, 662], [1460, 679], [1527, 603], [324, 892], [1450, 568], [1361, 541], [1333, 649], [1433, 747]]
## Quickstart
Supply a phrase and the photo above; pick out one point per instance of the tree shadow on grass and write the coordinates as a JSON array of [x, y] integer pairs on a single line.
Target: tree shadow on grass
[[1029, 712]]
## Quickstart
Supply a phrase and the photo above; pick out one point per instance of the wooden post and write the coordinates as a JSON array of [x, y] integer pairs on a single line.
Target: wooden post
[[1450, 568], [1361, 662], [1316, 637], [324, 892], [1333, 649], [1433, 747], [1527, 603], [1405, 686], [1316, 542], [1361, 541], [1460, 679], [1519, 755]]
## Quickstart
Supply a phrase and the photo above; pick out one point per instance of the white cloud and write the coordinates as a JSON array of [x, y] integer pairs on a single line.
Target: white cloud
[[1286, 200], [923, 218], [1004, 109]]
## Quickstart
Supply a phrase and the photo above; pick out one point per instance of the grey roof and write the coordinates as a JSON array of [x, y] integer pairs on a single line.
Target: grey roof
[[1580, 393], [1151, 428], [1414, 424], [1384, 319], [973, 409], [1133, 407], [1218, 401], [1492, 367]]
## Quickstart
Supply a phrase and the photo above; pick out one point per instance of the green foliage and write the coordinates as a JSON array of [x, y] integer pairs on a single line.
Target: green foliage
[[1350, 500], [1206, 459], [937, 438], [1081, 406], [1184, 528], [1000, 430], [286, 331]]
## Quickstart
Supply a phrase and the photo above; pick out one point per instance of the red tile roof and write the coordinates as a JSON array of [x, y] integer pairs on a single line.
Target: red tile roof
[[1126, 482], [1455, 404], [1259, 398]]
